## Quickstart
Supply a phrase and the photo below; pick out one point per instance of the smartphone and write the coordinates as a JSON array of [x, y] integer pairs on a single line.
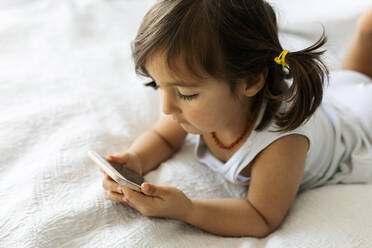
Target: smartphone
[[119, 173]]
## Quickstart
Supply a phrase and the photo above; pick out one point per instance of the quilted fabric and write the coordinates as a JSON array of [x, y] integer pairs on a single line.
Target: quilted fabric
[[67, 86]]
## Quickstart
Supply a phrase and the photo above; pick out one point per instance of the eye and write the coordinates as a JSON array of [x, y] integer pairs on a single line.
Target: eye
[[187, 98], [152, 84], [184, 97]]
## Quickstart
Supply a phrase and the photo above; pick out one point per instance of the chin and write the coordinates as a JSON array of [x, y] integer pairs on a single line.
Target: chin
[[190, 129]]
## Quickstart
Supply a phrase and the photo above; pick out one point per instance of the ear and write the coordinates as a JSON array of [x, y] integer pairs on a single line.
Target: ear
[[256, 84]]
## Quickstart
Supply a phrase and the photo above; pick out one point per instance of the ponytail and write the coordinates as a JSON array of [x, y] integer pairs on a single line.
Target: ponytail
[[305, 94]]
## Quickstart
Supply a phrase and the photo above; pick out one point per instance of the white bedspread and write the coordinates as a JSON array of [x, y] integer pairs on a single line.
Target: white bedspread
[[67, 85]]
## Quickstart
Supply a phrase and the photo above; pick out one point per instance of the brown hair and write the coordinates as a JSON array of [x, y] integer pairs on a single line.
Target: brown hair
[[234, 40]]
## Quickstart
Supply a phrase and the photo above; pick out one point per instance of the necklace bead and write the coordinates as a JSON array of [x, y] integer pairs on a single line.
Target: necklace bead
[[219, 143]]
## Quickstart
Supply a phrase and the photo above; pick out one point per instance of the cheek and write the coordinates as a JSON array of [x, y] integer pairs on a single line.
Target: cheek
[[203, 118]]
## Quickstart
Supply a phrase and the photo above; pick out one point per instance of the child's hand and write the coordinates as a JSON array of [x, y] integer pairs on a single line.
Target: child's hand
[[129, 160], [159, 201]]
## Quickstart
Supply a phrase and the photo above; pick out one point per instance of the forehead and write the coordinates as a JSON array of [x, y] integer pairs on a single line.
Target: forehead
[[174, 73]]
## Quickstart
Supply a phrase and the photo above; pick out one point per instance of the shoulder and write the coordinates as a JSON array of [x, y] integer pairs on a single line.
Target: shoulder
[[286, 151], [286, 147]]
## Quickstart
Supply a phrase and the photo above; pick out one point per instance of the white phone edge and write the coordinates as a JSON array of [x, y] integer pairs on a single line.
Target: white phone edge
[[112, 173]]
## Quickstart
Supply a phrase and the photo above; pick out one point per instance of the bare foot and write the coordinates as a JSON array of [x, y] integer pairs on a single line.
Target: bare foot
[[364, 23], [358, 57]]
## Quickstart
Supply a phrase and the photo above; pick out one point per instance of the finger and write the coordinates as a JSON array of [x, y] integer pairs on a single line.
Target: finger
[[119, 159], [111, 185], [154, 190], [107, 177], [102, 171], [113, 196], [136, 199]]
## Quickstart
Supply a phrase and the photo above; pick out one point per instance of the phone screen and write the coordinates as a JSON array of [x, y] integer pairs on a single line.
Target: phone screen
[[127, 173]]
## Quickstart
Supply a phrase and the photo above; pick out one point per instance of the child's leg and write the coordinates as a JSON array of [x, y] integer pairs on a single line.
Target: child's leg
[[359, 54]]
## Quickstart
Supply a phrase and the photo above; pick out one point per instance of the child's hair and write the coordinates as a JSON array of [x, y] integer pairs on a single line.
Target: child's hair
[[234, 40]]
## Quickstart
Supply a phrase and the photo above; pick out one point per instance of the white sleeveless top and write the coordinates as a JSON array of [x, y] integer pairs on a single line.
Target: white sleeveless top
[[340, 150]]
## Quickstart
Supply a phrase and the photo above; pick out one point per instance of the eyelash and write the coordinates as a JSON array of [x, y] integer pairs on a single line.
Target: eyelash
[[186, 98]]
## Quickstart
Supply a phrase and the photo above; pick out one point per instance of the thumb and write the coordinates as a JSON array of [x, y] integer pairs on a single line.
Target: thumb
[[119, 159], [153, 190]]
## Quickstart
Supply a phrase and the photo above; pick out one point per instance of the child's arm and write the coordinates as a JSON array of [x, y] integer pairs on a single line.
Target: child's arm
[[276, 174], [275, 178], [159, 143]]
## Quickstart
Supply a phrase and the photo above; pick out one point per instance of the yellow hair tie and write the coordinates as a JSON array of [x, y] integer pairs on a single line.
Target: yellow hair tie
[[281, 58]]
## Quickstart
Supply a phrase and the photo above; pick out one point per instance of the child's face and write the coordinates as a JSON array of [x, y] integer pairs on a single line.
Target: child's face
[[210, 107]]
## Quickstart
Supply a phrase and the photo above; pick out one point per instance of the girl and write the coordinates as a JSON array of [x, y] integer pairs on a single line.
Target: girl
[[222, 77]]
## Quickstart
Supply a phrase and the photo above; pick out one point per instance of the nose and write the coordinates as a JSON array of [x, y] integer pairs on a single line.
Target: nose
[[168, 103]]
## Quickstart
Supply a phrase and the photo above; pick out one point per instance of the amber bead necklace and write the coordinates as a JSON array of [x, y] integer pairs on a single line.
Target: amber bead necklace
[[219, 143]]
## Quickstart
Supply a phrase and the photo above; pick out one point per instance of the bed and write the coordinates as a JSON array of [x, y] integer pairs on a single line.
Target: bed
[[67, 85]]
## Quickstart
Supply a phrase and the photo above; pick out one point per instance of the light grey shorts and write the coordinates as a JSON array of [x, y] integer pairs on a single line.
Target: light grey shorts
[[353, 89]]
